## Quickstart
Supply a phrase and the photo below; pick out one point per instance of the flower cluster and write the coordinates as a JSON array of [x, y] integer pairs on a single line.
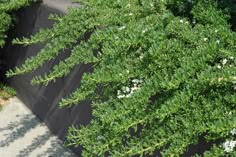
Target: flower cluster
[[229, 60], [233, 132], [229, 145], [128, 91]]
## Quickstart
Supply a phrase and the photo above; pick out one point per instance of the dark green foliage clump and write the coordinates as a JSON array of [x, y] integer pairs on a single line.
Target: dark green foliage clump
[[7, 9], [164, 74]]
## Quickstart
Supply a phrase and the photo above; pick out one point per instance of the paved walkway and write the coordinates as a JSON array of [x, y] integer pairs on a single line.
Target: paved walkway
[[22, 135]]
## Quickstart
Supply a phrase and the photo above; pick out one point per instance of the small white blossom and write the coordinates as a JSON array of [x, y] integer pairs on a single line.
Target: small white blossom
[[145, 30], [224, 61], [229, 145], [218, 66], [217, 41], [151, 4], [135, 88], [186, 22], [123, 27], [233, 132], [181, 21], [118, 92], [216, 31], [205, 39], [194, 21], [131, 92], [231, 57], [120, 96], [135, 81], [127, 89], [130, 14], [128, 95]]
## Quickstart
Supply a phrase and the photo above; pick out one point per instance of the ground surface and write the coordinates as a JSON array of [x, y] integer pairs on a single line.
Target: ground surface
[[22, 135]]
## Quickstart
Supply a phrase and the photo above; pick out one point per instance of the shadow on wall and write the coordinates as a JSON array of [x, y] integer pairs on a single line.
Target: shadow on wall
[[43, 101], [45, 142]]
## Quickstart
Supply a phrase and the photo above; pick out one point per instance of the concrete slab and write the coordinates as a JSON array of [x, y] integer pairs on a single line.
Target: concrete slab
[[22, 134]]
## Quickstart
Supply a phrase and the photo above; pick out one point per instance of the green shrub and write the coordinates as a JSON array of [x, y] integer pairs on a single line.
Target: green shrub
[[7, 9], [164, 74]]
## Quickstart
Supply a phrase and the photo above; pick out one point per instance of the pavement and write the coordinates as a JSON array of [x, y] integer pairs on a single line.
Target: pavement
[[23, 135]]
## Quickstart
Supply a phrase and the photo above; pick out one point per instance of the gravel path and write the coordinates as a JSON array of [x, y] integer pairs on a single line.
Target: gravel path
[[23, 135]]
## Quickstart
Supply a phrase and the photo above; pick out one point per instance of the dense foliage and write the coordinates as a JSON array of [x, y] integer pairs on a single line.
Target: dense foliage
[[164, 74], [7, 9]]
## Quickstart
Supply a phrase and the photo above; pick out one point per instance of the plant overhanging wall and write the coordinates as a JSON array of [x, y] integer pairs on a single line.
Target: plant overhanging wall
[[164, 74], [7, 10]]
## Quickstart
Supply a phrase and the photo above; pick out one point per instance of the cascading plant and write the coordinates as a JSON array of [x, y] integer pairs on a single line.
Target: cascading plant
[[7, 10], [165, 72]]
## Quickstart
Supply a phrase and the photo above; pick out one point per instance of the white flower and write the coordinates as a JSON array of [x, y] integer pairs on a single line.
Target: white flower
[[128, 95], [217, 41], [123, 88], [224, 61], [120, 96], [123, 27], [145, 30], [233, 132], [131, 92], [231, 57], [118, 92], [130, 14], [194, 21], [181, 21], [135, 81], [205, 39], [186, 22], [216, 31], [229, 145], [135, 88], [127, 89], [218, 66]]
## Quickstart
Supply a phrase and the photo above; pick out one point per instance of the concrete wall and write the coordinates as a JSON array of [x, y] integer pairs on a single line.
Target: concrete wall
[[43, 101]]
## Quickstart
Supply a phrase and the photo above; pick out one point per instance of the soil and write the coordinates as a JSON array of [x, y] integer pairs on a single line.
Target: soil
[[3, 102]]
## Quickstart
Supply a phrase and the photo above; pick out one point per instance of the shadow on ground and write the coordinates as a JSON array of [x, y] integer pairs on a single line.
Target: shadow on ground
[[42, 143]]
